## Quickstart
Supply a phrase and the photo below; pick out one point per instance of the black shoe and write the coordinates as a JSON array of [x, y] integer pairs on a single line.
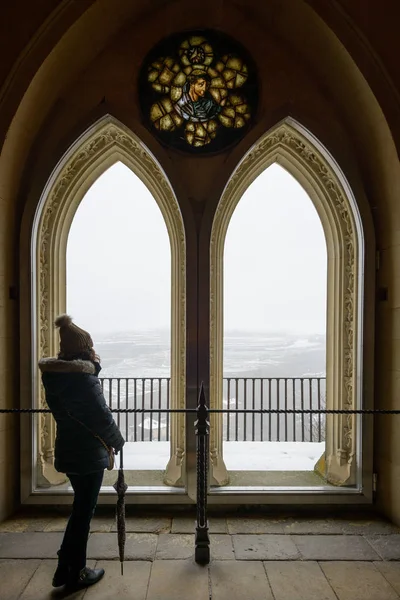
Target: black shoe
[[85, 578], [60, 576]]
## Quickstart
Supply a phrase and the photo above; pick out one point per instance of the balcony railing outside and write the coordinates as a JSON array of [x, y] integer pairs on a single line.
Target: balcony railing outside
[[238, 393], [143, 392], [273, 393]]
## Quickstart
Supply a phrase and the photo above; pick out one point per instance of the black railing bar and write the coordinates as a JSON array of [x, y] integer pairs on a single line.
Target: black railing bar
[[113, 410], [335, 411], [245, 409], [310, 399], [228, 396], [159, 405], [302, 407], [269, 408], [202, 429], [319, 406], [253, 393], [168, 402], [237, 405], [280, 378], [151, 406], [278, 401], [262, 406], [110, 390], [286, 405], [143, 399], [126, 404], [135, 423], [119, 400], [306, 411], [294, 408]]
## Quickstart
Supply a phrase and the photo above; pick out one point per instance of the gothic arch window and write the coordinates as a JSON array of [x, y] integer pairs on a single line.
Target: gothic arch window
[[295, 149], [103, 145], [275, 267]]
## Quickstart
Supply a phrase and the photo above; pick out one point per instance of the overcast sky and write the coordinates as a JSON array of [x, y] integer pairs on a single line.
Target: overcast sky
[[275, 266], [118, 258]]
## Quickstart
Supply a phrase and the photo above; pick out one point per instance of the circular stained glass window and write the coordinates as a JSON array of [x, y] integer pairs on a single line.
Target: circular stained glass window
[[198, 91]]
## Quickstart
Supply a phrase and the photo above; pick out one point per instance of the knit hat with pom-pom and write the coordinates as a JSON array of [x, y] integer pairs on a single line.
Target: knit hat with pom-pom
[[73, 339]]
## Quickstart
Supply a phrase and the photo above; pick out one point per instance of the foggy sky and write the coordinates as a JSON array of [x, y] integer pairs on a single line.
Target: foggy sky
[[119, 260], [275, 261]]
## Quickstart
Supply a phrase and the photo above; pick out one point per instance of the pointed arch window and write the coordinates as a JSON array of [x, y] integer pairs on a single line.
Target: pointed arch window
[[295, 149], [106, 146]]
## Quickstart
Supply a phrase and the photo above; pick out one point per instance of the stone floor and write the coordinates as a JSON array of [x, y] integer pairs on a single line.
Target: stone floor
[[254, 557], [237, 478]]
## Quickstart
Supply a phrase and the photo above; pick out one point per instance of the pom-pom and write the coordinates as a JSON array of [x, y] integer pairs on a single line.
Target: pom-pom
[[63, 321]]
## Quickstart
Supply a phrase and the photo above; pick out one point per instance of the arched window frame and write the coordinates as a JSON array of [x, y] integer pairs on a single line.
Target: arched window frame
[[299, 152], [104, 144]]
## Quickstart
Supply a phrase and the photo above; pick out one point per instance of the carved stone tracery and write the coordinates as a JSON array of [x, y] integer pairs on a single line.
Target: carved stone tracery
[[107, 142], [288, 145]]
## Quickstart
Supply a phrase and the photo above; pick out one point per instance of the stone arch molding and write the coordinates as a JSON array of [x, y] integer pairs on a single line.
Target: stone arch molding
[[294, 148], [104, 144]]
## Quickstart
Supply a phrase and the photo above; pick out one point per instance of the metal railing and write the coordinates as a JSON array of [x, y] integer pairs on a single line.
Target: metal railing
[[259, 393], [256, 393], [140, 392], [202, 429]]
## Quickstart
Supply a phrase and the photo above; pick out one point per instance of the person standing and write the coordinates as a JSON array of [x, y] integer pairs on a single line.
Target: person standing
[[86, 433]]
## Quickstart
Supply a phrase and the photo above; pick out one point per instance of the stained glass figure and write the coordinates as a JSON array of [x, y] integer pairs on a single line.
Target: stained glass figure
[[198, 91]]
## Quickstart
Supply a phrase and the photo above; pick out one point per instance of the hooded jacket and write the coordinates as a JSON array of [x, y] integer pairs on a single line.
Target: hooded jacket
[[73, 391]]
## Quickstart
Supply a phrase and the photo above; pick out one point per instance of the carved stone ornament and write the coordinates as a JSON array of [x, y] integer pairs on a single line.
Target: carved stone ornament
[[294, 149], [104, 144]]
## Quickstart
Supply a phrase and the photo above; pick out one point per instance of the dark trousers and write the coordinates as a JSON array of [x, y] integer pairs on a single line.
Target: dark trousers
[[73, 548]]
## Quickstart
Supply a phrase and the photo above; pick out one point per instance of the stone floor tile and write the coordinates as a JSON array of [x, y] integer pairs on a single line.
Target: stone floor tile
[[138, 546], [391, 572], [298, 581], [239, 580], [146, 525], [100, 524], [24, 523], [188, 525], [40, 586], [367, 527], [14, 577], [249, 525], [312, 526], [221, 547], [132, 585], [175, 546], [56, 524], [334, 547], [14, 526], [97, 524], [178, 580], [264, 547], [217, 525], [357, 581], [29, 545], [387, 546]]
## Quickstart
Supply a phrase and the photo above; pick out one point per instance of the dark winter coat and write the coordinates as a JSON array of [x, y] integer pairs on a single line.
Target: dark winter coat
[[74, 390]]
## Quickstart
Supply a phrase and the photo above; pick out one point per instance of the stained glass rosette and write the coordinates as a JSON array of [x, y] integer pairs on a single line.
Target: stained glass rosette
[[199, 89]]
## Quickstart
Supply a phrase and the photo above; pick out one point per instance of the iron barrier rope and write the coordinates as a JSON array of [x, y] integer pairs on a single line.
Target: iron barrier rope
[[300, 411], [202, 428]]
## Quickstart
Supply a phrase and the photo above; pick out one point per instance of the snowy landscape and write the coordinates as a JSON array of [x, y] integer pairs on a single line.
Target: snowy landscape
[[146, 354], [246, 354]]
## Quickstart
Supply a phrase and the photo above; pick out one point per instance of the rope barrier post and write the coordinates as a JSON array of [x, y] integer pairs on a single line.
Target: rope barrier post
[[202, 428]]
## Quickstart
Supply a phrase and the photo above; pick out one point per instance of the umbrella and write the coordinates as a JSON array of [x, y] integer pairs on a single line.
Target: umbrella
[[120, 487]]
